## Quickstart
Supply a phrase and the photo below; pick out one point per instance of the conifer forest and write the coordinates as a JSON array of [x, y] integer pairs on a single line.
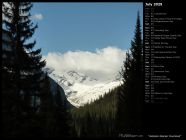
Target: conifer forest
[[30, 109]]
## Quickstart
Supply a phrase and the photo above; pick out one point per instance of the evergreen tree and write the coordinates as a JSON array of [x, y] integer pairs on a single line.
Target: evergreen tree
[[96, 119], [21, 66], [11, 101], [27, 62], [130, 100]]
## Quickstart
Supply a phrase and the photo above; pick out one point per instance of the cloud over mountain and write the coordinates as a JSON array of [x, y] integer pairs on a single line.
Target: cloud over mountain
[[102, 64]]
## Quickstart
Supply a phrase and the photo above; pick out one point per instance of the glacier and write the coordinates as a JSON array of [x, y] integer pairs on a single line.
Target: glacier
[[80, 88]]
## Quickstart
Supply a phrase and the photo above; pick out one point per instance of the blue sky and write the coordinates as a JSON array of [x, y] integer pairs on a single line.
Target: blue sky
[[84, 26]]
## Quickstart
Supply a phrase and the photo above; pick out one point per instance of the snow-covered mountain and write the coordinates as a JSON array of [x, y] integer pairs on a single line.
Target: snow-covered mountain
[[80, 88]]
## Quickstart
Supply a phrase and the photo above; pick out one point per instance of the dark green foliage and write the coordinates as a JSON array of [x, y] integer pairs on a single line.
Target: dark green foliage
[[97, 118], [130, 102], [29, 108], [21, 69]]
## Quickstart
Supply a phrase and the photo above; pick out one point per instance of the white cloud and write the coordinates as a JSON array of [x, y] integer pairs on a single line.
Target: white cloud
[[37, 16], [102, 64]]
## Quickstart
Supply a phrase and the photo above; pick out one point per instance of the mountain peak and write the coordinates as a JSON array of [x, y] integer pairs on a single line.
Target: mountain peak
[[80, 88]]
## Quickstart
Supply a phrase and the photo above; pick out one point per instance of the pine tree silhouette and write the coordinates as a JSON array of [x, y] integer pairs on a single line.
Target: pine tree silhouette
[[21, 66], [130, 99]]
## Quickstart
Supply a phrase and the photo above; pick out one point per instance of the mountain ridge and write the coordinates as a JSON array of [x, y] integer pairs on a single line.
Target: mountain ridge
[[80, 88]]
